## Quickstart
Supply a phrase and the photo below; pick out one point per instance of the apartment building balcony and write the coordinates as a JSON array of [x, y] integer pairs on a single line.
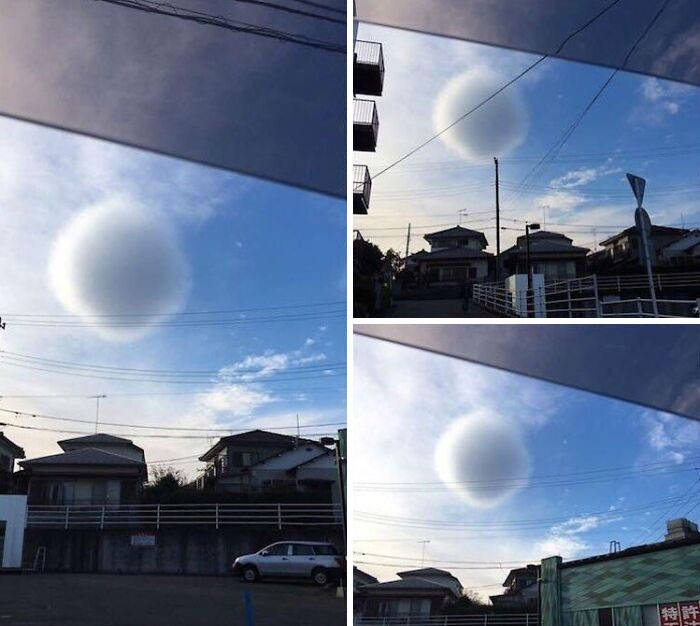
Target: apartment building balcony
[[368, 74], [365, 125], [361, 189]]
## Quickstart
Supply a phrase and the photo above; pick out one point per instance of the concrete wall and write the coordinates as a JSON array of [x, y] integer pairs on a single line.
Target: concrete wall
[[181, 550], [13, 511]]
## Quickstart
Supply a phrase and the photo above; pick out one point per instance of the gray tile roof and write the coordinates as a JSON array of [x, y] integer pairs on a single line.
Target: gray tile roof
[[97, 438], [455, 253], [408, 584], [85, 456]]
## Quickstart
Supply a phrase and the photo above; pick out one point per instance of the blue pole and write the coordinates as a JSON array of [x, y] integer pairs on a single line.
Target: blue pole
[[250, 620]]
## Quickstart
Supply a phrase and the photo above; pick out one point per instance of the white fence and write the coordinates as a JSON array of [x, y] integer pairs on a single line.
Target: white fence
[[157, 515], [592, 296], [493, 619]]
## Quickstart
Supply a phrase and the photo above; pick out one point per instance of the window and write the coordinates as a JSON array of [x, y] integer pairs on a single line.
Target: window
[[326, 549], [605, 617], [249, 458], [420, 606], [301, 549], [280, 549]]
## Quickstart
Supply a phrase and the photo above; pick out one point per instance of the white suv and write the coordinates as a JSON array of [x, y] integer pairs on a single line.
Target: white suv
[[303, 559]]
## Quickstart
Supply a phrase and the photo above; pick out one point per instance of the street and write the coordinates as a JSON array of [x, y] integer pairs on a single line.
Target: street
[[120, 600]]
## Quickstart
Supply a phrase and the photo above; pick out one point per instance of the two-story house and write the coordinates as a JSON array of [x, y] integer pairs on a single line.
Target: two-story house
[[521, 591], [419, 593], [457, 255], [9, 453], [95, 469], [551, 254], [258, 461], [622, 253]]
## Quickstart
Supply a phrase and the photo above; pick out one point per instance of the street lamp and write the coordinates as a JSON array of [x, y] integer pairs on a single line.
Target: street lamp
[[528, 228]]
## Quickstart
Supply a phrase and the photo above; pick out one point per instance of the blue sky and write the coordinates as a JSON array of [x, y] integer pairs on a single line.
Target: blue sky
[[614, 466], [639, 124], [91, 228]]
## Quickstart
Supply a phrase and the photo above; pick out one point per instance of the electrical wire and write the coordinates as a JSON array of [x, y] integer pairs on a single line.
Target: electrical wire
[[161, 8], [499, 90]]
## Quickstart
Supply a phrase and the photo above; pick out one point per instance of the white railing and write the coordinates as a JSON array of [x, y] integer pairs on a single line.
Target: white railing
[[157, 515], [493, 619], [583, 297]]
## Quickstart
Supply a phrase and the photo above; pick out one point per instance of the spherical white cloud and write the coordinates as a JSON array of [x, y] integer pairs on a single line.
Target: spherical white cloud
[[480, 455], [116, 258], [493, 130]]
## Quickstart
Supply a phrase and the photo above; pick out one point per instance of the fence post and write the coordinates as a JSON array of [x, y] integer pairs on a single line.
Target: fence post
[[527, 619], [596, 295], [568, 298], [279, 516], [217, 516], [102, 518], [248, 601], [158, 517], [640, 310]]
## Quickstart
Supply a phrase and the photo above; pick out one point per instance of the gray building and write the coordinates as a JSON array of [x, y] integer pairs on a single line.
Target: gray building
[[10, 452]]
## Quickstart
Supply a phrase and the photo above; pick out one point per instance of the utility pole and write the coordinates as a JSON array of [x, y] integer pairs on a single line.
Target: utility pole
[[298, 434], [408, 238], [498, 227]]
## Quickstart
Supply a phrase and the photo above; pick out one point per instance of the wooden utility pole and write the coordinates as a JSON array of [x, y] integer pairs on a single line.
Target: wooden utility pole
[[408, 238], [498, 227]]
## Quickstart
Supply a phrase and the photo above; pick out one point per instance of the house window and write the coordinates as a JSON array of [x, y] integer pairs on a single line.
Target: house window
[[249, 458], [472, 272], [420, 606]]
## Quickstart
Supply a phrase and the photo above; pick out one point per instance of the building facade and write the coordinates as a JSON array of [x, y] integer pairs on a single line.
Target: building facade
[[96, 469], [417, 593], [551, 254], [368, 80], [640, 586], [10, 452], [457, 256]]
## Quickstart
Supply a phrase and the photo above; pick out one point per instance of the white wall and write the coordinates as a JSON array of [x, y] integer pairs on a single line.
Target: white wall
[[13, 511]]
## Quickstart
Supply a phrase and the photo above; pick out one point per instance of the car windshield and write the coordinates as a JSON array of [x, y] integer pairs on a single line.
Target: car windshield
[[325, 549]]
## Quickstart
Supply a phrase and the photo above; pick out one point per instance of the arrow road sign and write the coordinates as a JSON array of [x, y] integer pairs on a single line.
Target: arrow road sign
[[638, 185]]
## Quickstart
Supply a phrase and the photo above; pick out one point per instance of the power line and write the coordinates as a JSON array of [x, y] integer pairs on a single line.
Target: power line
[[210, 312], [499, 90], [218, 428], [134, 435], [557, 146], [161, 8], [287, 9], [115, 369]]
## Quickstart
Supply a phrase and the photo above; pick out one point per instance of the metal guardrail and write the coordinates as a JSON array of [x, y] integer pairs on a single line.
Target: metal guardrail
[[582, 297], [503, 619], [157, 515]]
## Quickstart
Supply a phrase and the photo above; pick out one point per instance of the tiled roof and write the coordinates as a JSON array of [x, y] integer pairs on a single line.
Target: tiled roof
[[455, 231], [455, 253], [258, 437], [85, 456], [655, 230]]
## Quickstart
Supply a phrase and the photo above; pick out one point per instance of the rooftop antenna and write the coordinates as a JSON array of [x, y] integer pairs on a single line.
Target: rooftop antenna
[[422, 558], [97, 410], [614, 546]]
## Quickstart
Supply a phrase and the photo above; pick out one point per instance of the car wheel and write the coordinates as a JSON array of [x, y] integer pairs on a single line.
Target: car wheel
[[320, 576], [249, 574]]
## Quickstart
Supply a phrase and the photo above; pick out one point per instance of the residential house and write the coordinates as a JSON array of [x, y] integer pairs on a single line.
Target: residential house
[[9, 453], [521, 591], [684, 252], [258, 461], [360, 578], [457, 255], [551, 254], [622, 253], [95, 469], [418, 593]]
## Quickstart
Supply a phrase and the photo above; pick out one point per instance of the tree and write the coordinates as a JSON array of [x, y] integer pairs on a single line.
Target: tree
[[165, 482], [393, 260]]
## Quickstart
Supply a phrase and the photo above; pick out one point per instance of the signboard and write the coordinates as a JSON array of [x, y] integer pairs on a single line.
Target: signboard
[[143, 540], [637, 183], [680, 614]]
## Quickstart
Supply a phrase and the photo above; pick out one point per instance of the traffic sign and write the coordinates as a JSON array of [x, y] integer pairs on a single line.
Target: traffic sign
[[637, 183]]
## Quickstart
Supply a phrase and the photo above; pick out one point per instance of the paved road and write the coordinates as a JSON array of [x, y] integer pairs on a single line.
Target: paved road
[[435, 308], [113, 600]]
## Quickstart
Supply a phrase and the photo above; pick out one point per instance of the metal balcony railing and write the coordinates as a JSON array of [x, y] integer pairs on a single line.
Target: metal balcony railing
[[368, 68], [488, 619], [361, 189], [157, 515], [365, 125]]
